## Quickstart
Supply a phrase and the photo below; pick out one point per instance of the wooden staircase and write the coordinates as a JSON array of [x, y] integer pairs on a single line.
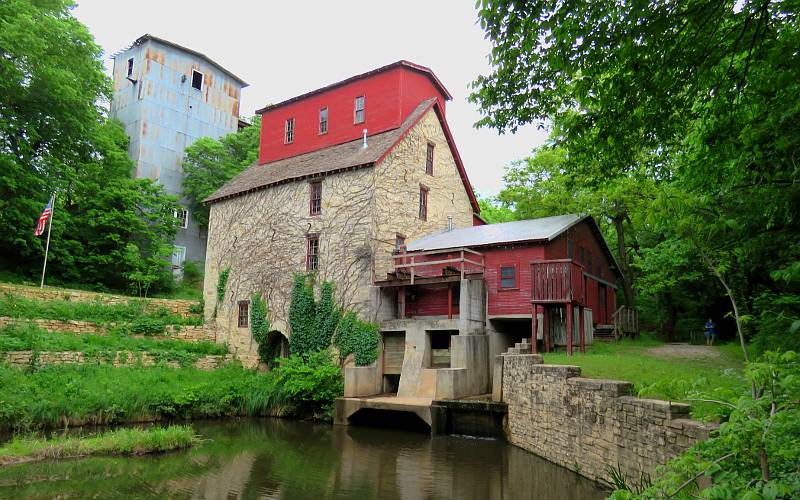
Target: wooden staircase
[[625, 322]]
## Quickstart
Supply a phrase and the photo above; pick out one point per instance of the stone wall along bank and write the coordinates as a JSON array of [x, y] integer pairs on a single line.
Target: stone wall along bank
[[174, 306], [21, 359], [188, 333], [590, 425]]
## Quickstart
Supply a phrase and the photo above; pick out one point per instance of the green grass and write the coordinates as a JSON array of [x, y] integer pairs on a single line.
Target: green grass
[[29, 337], [661, 377], [132, 312], [65, 395], [116, 442]]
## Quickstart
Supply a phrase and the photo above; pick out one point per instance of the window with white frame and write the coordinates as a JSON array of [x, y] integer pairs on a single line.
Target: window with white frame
[[178, 255], [197, 80], [358, 111], [288, 136], [323, 121], [183, 217]]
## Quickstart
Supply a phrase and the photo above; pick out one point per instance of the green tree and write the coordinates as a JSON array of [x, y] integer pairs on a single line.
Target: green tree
[[51, 87], [210, 163]]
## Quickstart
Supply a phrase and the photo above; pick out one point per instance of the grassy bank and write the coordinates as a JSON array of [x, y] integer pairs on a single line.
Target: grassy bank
[[116, 442], [133, 312], [64, 395], [656, 374], [29, 337]]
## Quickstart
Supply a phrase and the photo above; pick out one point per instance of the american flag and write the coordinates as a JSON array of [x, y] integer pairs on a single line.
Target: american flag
[[48, 210]]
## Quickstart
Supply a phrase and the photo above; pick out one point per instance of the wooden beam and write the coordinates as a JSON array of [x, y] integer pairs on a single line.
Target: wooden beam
[[570, 327], [449, 301], [582, 330], [534, 330]]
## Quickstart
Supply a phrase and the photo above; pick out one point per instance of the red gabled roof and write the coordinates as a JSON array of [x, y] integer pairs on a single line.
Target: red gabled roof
[[402, 63]]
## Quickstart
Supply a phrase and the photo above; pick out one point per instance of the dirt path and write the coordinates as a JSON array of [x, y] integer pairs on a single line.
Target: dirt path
[[685, 351]]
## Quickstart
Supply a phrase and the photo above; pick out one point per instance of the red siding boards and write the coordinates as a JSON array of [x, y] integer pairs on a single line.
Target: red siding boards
[[510, 301], [390, 94], [431, 302]]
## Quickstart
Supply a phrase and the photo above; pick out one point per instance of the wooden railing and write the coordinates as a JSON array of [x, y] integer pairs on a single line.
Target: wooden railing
[[435, 263], [626, 321], [557, 281]]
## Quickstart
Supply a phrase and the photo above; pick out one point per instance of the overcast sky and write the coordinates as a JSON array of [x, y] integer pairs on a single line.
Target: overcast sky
[[283, 49]]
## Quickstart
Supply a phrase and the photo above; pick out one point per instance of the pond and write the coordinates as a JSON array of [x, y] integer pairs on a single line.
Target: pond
[[275, 458]]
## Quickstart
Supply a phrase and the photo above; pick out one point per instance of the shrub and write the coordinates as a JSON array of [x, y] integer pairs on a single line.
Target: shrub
[[327, 317], [148, 325], [357, 337], [309, 385], [192, 274]]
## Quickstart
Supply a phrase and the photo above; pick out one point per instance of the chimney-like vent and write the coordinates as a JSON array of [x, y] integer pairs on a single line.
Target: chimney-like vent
[[364, 145], [449, 222]]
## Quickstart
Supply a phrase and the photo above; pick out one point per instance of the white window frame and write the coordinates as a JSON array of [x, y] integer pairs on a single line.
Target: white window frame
[[327, 114], [178, 256], [182, 215], [363, 110], [202, 79], [288, 132]]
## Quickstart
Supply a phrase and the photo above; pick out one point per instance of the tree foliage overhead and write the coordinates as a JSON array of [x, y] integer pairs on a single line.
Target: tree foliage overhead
[[697, 99], [209, 163]]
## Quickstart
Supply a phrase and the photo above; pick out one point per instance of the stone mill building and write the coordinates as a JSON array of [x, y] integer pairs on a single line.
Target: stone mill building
[[167, 96]]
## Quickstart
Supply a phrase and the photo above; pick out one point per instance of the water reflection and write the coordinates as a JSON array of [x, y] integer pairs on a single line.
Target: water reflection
[[282, 459]]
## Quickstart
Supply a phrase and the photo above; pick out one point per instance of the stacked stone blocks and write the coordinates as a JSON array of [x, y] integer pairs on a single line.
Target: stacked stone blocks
[[188, 333], [591, 425], [174, 306], [21, 359]]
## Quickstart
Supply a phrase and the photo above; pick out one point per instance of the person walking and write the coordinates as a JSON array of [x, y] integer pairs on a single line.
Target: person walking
[[710, 331]]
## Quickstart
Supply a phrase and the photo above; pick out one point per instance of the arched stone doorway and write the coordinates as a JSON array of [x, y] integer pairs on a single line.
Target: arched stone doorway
[[278, 345]]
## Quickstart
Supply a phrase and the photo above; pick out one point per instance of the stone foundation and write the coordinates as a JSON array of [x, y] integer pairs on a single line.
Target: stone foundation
[[22, 359], [590, 425], [174, 306], [188, 333]]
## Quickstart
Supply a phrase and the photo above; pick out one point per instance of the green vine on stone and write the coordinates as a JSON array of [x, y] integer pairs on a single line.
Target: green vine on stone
[[360, 338], [222, 282], [259, 327]]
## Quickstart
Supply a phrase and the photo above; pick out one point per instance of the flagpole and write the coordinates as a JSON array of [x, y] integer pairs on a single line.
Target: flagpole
[[47, 245]]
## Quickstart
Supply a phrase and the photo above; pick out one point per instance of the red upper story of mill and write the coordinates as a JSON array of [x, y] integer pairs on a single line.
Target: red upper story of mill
[[389, 94]]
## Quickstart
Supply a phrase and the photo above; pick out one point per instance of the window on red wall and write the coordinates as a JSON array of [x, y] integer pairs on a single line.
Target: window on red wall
[[508, 276], [423, 203], [288, 136], [315, 201], [569, 249], [244, 308], [589, 261], [581, 256], [358, 111], [323, 121], [312, 252]]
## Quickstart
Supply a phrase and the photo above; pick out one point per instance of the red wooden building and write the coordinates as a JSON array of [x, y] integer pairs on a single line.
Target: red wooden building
[[558, 266]]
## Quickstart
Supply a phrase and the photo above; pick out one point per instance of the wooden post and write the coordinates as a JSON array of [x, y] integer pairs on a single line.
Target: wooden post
[[462, 263], [582, 328], [401, 302], [546, 338], [449, 301], [534, 328], [570, 327]]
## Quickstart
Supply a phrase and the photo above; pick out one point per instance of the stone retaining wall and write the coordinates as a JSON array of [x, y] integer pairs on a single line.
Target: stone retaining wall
[[122, 358], [174, 306], [590, 425], [188, 333]]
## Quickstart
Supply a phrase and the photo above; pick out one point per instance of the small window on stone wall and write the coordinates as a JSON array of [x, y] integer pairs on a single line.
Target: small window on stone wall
[[244, 313]]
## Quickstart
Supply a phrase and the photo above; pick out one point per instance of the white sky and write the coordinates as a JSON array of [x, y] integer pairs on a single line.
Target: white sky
[[283, 49]]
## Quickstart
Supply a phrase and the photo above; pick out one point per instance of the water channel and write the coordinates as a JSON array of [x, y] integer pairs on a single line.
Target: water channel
[[275, 458]]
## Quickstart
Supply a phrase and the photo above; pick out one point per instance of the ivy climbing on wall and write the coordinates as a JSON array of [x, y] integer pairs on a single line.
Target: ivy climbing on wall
[[259, 327], [318, 325], [222, 282], [302, 315], [360, 338]]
